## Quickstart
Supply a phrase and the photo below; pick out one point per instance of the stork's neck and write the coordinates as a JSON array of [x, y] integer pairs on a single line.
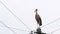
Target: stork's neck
[[36, 13]]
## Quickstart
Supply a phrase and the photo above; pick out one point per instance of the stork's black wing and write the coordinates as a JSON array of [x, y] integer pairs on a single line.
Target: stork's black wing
[[38, 19]]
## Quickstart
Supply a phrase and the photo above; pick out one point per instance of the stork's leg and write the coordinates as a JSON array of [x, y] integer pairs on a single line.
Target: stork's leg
[[37, 26], [40, 27]]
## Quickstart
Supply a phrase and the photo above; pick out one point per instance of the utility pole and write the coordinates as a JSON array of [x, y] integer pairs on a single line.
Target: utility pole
[[31, 32], [39, 31]]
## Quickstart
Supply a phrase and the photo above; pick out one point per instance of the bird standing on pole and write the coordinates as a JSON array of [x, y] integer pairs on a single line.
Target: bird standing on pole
[[38, 18]]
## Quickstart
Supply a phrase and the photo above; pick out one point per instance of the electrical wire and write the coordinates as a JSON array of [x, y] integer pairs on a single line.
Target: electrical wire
[[7, 27], [15, 28], [55, 30], [51, 22], [14, 15]]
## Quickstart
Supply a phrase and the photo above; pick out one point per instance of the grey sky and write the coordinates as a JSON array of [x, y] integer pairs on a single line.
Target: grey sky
[[49, 10]]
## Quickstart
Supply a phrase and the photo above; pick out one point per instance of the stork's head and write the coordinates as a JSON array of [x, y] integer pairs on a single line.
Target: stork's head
[[36, 10]]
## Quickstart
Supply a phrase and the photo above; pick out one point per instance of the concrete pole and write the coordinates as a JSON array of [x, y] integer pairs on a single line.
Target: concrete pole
[[31, 32], [39, 31]]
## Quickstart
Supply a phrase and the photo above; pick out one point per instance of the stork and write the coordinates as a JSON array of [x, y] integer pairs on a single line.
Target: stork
[[38, 18]]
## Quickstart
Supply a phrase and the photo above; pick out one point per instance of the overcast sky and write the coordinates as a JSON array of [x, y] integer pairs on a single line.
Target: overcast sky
[[49, 10]]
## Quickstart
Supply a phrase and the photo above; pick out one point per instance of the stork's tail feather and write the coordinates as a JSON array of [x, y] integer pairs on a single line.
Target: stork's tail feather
[[40, 24]]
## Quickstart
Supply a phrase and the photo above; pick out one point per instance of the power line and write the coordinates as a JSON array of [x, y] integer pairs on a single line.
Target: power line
[[20, 29], [16, 29], [14, 15], [55, 30], [51, 22], [7, 27]]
